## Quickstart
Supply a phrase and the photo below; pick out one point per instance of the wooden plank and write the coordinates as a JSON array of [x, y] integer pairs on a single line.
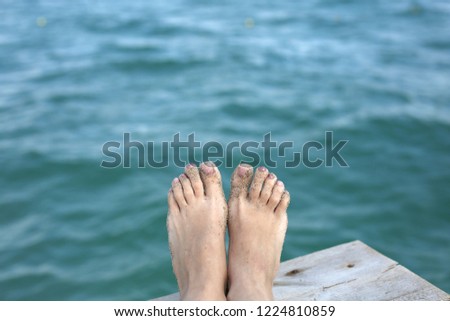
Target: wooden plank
[[350, 271]]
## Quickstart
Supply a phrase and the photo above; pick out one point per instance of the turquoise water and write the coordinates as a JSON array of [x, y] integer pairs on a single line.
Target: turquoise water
[[74, 75]]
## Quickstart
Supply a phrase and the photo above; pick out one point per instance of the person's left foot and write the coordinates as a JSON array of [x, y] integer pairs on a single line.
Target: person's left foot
[[196, 224]]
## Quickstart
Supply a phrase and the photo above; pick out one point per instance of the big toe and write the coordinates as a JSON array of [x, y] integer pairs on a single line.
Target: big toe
[[212, 181], [240, 181]]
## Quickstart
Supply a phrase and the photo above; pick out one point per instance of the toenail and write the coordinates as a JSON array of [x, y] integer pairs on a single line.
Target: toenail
[[280, 183], [207, 169], [182, 176], [271, 176], [210, 164], [189, 166], [243, 169], [262, 169]]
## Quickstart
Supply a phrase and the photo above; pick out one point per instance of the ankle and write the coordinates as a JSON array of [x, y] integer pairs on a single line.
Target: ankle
[[204, 291], [246, 292], [203, 295]]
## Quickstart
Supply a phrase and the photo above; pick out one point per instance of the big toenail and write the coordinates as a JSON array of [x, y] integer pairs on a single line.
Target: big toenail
[[210, 164], [243, 169], [262, 169], [207, 169]]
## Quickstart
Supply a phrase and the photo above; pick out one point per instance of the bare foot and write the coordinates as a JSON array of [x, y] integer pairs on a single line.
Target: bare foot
[[257, 225], [196, 224]]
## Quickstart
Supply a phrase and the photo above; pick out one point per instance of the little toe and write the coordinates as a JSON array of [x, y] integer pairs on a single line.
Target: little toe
[[192, 173], [178, 193], [187, 188], [212, 182], [266, 191], [283, 204], [277, 192], [240, 181], [257, 183]]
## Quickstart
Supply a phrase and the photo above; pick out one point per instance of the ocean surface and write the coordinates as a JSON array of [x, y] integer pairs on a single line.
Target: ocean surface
[[77, 74]]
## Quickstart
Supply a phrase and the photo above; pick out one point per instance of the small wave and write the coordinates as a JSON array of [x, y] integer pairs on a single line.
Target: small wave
[[130, 44], [106, 24], [438, 44], [63, 97], [164, 64]]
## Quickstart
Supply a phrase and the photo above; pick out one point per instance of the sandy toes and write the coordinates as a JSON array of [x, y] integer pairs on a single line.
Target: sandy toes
[[257, 227], [196, 224]]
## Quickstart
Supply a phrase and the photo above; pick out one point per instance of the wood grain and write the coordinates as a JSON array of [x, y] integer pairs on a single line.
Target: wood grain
[[348, 272]]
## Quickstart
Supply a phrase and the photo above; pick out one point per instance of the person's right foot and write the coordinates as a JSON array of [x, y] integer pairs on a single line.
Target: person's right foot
[[196, 226], [257, 225]]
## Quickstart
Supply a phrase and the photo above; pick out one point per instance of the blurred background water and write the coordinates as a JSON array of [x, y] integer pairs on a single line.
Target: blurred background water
[[74, 75]]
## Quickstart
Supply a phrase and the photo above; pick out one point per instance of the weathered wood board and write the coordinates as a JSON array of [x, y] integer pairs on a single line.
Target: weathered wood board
[[352, 272]]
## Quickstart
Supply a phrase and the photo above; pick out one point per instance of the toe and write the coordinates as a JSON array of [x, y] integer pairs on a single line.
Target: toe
[[178, 193], [191, 172], [266, 191], [284, 203], [212, 182], [240, 181], [257, 183], [277, 192], [187, 188], [173, 206]]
